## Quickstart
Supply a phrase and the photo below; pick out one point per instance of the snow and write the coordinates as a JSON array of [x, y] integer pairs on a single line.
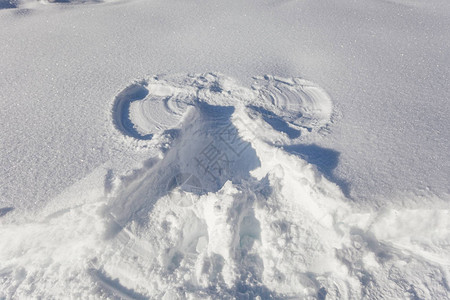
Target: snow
[[211, 149]]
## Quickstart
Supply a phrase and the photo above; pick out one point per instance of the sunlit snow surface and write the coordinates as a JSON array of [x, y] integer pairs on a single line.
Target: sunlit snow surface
[[211, 186], [223, 209]]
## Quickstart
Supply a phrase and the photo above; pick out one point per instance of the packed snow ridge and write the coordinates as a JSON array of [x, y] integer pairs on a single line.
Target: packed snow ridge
[[225, 207]]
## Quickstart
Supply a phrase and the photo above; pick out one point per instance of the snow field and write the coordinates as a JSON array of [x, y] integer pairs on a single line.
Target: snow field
[[221, 209]]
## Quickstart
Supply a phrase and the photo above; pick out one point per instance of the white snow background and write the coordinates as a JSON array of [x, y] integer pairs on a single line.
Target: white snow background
[[341, 190]]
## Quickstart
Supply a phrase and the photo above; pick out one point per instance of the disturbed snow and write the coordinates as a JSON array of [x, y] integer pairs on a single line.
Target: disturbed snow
[[226, 207], [205, 186]]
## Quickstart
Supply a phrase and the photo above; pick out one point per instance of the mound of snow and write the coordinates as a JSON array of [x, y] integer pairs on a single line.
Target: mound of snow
[[222, 210]]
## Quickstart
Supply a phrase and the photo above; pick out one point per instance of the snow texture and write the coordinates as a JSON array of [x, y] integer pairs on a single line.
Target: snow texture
[[208, 181], [223, 211]]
